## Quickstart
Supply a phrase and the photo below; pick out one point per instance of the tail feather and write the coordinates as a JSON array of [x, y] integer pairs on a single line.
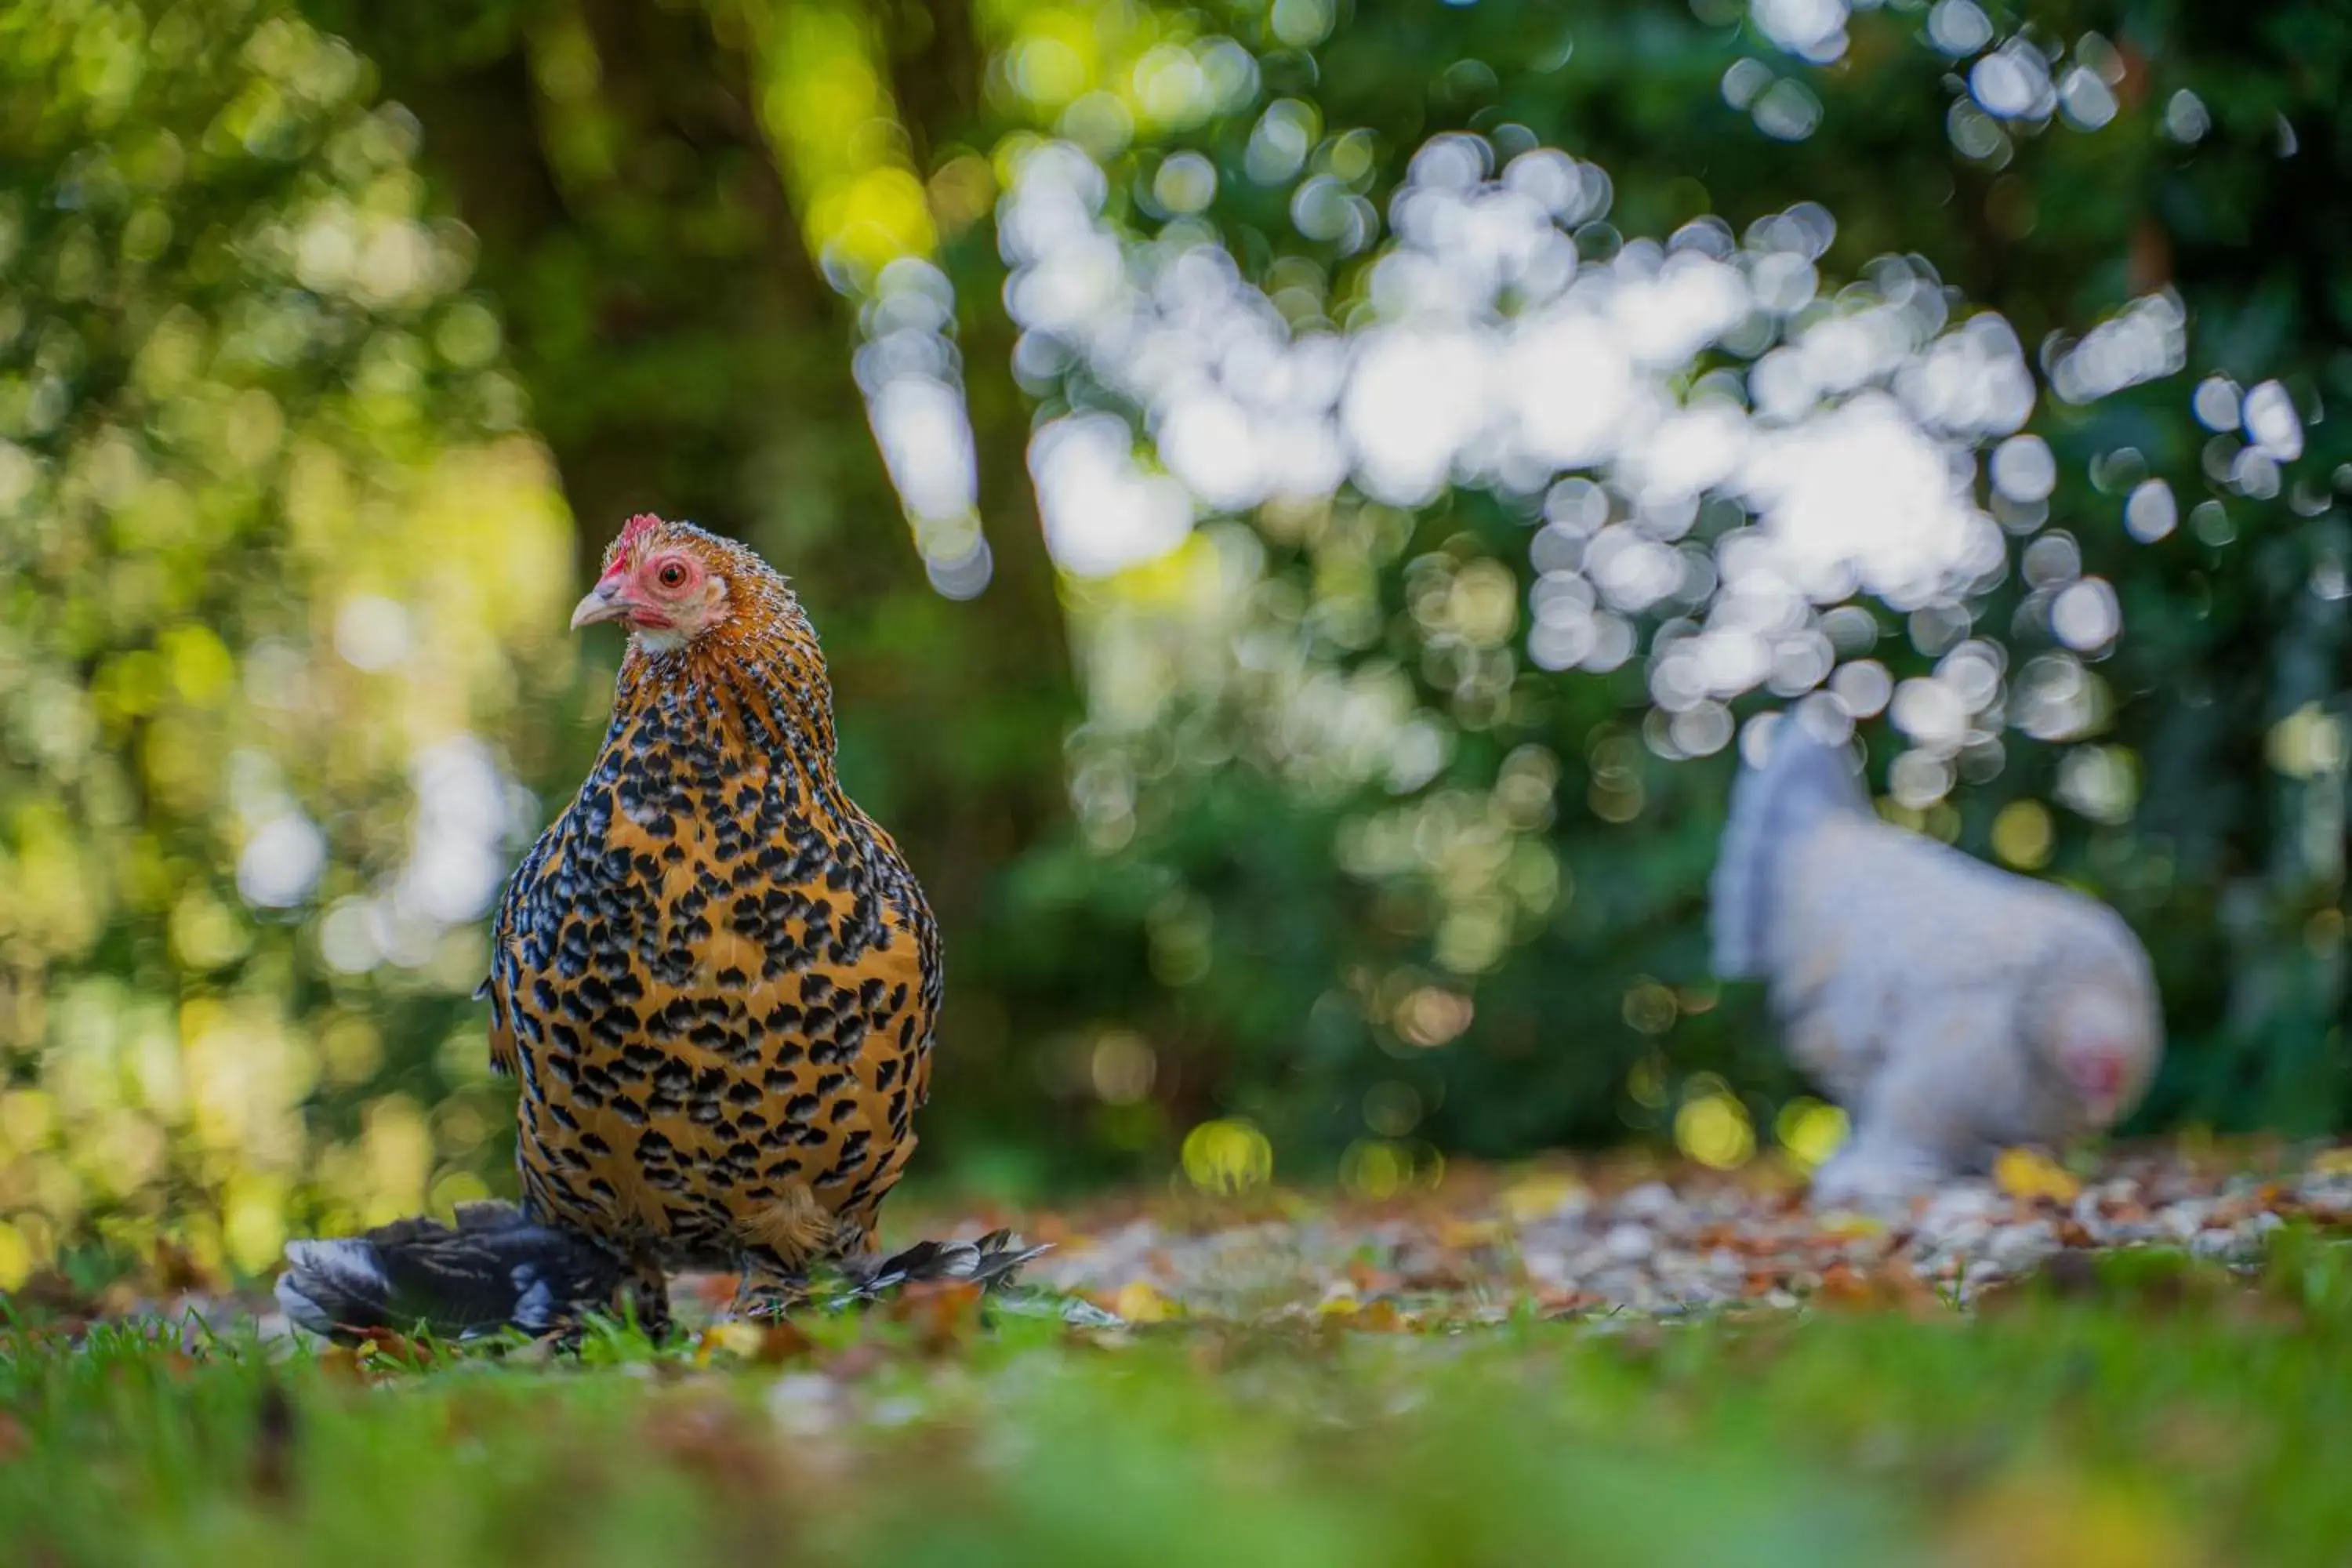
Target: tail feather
[[990, 1263], [494, 1270], [1802, 784]]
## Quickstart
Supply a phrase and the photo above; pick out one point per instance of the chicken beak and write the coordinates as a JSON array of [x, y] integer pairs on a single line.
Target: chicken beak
[[605, 602]]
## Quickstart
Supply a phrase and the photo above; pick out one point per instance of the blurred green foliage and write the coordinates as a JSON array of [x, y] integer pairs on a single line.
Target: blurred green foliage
[[307, 310], [274, 540]]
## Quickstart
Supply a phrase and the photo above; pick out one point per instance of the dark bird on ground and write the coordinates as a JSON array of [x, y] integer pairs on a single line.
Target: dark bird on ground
[[496, 1270]]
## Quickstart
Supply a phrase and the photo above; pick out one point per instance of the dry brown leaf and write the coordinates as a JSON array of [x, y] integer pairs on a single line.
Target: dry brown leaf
[[715, 1291], [1841, 1285], [945, 1314], [781, 1341], [1890, 1286], [1555, 1302]]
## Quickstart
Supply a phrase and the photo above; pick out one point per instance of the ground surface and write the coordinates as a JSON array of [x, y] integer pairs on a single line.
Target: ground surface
[[2147, 1367]]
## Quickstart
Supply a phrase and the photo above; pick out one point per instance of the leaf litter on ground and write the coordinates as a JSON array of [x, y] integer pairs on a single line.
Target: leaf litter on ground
[[1587, 1328]]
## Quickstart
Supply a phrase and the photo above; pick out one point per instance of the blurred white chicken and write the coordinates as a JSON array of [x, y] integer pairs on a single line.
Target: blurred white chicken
[[1951, 1008]]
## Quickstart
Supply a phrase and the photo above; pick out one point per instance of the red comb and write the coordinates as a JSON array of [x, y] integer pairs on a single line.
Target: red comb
[[637, 527]]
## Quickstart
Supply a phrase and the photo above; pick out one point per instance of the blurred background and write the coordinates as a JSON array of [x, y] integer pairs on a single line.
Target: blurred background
[[1302, 500]]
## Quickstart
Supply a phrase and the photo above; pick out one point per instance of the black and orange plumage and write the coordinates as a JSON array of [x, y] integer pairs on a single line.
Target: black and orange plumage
[[714, 975]]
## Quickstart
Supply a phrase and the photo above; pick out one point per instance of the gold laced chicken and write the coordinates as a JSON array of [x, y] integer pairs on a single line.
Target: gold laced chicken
[[715, 979]]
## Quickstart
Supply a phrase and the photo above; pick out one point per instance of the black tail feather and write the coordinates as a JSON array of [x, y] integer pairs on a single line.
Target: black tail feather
[[494, 1270], [990, 1263]]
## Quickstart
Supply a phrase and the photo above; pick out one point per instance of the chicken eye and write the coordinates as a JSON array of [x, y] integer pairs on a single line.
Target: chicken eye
[[671, 575]]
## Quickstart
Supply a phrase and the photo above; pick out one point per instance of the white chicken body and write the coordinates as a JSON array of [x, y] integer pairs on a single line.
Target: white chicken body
[[1952, 1008]]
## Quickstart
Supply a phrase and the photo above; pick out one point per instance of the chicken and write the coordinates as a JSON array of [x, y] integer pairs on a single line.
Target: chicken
[[714, 975], [1951, 1008]]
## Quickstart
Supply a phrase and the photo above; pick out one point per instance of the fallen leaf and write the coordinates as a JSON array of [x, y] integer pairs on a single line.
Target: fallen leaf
[[944, 1313], [1902, 1284], [1890, 1286], [715, 1291], [781, 1341], [1468, 1234], [734, 1337], [1140, 1301], [2030, 1175], [1540, 1195], [1842, 1286], [1846, 1226]]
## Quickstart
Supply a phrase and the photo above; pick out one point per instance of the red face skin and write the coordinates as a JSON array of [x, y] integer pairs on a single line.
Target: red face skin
[[2098, 1070], [656, 588]]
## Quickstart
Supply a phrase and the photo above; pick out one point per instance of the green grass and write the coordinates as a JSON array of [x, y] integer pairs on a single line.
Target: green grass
[[2144, 1411]]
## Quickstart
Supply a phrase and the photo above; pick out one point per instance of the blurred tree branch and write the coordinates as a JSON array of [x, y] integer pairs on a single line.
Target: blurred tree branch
[[685, 355]]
